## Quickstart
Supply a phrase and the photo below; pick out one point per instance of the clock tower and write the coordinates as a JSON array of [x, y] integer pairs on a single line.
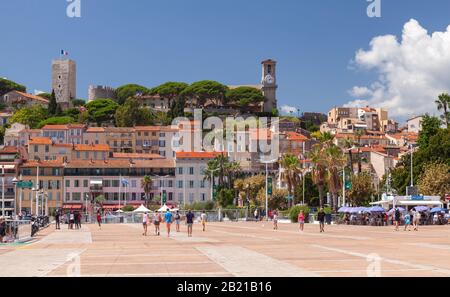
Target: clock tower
[[269, 84]]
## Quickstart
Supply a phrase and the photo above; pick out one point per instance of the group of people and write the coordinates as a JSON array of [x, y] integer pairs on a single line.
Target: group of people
[[73, 219], [411, 219], [3, 228], [169, 218]]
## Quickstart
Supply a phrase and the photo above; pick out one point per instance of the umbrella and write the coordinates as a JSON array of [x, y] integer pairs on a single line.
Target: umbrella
[[438, 209], [163, 208], [377, 209], [343, 209], [141, 209], [401, 209], [421, 208]]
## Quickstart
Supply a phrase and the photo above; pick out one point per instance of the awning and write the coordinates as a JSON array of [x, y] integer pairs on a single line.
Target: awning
[[419, 202], [72, 206]]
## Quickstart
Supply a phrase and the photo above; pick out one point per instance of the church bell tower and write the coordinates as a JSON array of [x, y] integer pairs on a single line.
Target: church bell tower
[[269, 85]]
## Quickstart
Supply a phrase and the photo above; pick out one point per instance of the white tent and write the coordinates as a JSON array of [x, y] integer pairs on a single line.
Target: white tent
[[164, 208], [141, 209]]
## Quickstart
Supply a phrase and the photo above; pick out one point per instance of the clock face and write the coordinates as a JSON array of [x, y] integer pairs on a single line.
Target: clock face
[[269, 79]]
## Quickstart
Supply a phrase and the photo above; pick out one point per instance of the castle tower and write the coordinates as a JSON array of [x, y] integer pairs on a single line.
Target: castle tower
[[64, 82], [269, 84], [97, 92]]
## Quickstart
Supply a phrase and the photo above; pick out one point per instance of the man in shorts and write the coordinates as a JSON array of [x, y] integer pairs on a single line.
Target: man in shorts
[[145, 223], [203, 220], [177, 220], [168, 220], [189, 222]]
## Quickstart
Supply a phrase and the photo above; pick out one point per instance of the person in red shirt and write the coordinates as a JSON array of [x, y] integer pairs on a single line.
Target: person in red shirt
[[99, 219], [301, 220]]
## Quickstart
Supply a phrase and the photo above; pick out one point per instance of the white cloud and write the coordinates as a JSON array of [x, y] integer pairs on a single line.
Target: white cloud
[[287, 110], [412, 72]]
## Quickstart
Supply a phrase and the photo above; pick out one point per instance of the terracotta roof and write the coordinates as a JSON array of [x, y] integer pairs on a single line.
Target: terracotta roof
[[32, 97], [296, 136], [44, 164], [92, 147], [198, 155], [40, 140], [136, 156], [148, 128], [119, 130], [9, 150], [95, 130], [55, 127], [121, 163]]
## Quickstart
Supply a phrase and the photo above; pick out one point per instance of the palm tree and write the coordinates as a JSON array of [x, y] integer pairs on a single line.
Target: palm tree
[[335, 161], [349, 144], [443, 103], [232, 170], [319, 171], [291, 171], [359, 134], [146, 184]]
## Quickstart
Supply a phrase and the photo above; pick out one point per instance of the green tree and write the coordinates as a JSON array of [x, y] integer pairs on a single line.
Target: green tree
[[311, 192], [56, 121], [47, 96], [362, 189], [443, 104], [169, 90], [129, 91], [244, 96], [430, 126], [225, 198], [72, 112], [435, 180], [335, 162], [7, 86], [291, 171], [278, 199], [52, 105], [146, 185], [131, 114], [78, 102], [204, 90], [102, 110], [30, 116]]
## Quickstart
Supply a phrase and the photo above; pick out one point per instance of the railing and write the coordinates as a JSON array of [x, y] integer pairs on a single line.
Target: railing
[[17, 231]]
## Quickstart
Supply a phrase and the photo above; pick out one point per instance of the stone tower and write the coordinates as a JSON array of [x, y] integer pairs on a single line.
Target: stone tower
[[64, 82], [269, 84], [97, 92]]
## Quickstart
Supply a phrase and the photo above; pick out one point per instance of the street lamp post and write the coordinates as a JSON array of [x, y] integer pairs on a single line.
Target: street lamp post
[[15, 181], [267, 183]]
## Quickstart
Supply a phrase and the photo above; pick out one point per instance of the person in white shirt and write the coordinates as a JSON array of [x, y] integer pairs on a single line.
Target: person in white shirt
[[203, 220], [145, 221]]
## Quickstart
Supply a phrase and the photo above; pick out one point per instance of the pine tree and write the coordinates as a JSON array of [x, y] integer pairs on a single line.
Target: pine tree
[[52, 105]]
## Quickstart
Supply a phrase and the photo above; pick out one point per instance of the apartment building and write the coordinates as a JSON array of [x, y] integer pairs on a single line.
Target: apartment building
[[120, 140], [72, 133], [44, 149]]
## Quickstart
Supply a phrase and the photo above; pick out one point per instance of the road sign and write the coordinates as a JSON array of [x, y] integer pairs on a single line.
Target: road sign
[[25, 185], [269, 185], [164, 197]]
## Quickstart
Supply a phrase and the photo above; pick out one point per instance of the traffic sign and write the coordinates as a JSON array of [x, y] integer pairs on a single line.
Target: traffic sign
[[164, 197], [269, 185], [25, 185]]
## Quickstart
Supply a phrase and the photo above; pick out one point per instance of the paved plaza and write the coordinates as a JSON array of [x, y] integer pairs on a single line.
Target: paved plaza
[[246, 249]]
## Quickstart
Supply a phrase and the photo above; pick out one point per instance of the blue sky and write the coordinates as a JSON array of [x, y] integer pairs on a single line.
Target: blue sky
[[152, 41]]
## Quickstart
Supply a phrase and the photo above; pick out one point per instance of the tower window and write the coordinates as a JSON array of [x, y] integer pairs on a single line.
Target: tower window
[[269, 69]]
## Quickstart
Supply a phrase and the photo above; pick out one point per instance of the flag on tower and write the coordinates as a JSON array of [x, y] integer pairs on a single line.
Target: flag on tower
[[64, 53]]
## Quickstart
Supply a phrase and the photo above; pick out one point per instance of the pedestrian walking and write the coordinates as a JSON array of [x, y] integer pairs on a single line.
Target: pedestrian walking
[[256, 215], [177, 220], [407, 222], [397, 218], [416, 220], [168, 219], [57, 220], [79, 220], [275, 220], [301, 220], [203, 220], [2, 229], [321, 218], [99, 219], [71, 220], [156, 222], [145, 222], [189, 222]]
